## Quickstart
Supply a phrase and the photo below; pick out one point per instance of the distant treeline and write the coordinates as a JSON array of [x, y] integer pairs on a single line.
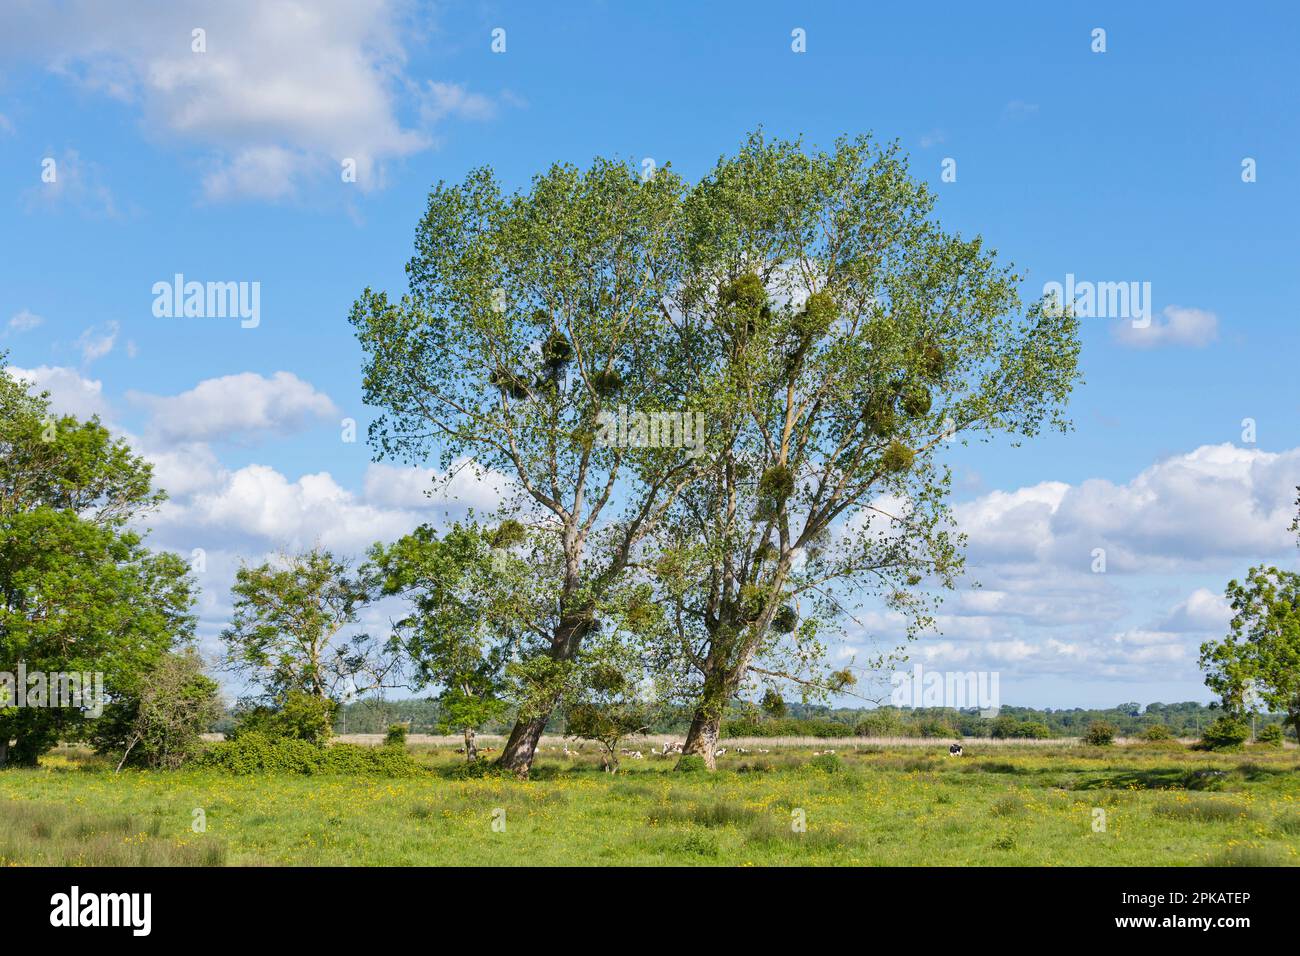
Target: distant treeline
[[1185, 719]]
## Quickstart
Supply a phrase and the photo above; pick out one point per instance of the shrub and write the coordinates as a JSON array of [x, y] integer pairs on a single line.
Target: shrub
[[691, 763], [1157, 732], [299, 716], [1032, 730], [396, 736], [160, 722], [1226, 733], [1099, 734], [1270, 736], [827, 763], [255, 753]]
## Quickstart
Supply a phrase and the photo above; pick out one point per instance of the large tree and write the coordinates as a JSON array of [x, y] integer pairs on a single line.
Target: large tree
[[843, 337], [531, 318], [79, 590]]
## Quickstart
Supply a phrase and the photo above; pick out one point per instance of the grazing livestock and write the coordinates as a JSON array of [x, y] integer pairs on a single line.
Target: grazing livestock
[[954, 750]]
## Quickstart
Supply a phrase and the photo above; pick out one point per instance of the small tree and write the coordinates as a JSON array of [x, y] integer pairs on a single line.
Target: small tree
[[160, 723], [396, 736], [284, 637], [1228, 732], [612, 709], [1157, 732], [1260, 657], [1100, 734], [1270, 735]]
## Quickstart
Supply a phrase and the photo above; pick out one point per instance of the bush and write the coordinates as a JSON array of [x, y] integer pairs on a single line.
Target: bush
[[1157, 732], [299, 716], [253, 752], [1270, 736], [827, 763], [160, 722], [1099, 734], [691, 763], [396, 736], [1226, 733], [1032, 730]]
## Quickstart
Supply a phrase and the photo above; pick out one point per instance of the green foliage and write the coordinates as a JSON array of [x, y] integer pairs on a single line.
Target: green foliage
[[1099, 734], [396, 735], [160, 720], [255, 753], [298, 716], [897, 457], [691, 763], [1229, 732], [1032, 730], [773, 704], [827, 763], [471, 600], [1270, 735], [283, 633], [1261, 652], [81, 590], [1157, 732]]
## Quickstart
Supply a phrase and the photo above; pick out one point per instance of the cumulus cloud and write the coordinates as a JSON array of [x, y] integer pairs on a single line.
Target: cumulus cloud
[[1189, 512], [413, 488], [234, 406], [1202, 611], [1191, 328], [70, 393], [282, 91]]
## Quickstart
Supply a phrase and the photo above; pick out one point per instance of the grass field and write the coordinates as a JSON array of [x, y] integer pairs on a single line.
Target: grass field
[[1161, 805]]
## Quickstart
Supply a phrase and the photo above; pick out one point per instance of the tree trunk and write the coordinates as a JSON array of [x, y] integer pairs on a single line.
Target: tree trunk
[[471, 746], [702, 738], [522, 745], [4, 751]]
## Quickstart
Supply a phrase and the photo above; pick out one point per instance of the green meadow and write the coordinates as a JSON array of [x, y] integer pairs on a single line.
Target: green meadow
[[1162, 805]]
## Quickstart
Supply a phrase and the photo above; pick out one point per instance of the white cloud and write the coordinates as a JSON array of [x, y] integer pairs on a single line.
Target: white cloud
[[259, 172], [284, 92], [233, 406], [23, 321], [1201, 611], [414, 488], [1189, 512], [70, 393], [97, 341], [440, 100], [75, 182], [256, 508], [1192, 328]]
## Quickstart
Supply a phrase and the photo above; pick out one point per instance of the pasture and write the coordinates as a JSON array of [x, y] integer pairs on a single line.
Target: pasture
[[1013, 804]]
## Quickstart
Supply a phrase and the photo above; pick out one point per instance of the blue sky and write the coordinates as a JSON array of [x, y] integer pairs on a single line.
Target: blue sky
[[1117, 166]]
